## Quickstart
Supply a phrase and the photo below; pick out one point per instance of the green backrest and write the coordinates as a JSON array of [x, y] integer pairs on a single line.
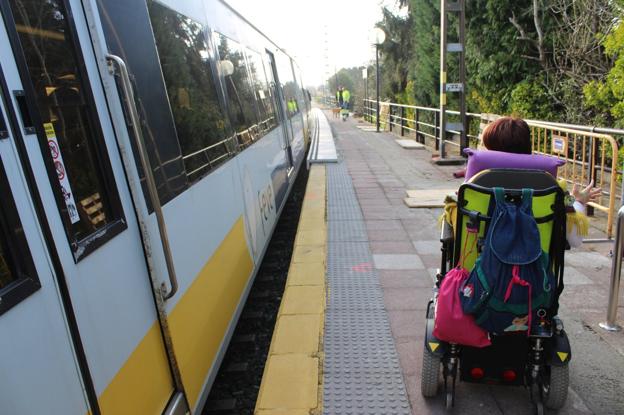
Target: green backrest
[[478, 196]]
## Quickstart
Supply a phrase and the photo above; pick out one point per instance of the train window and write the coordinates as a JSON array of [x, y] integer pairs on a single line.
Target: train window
[[264, 95], [287, 81], [18, 278], [301, 91], [81, 177], [199, 120], [240, 93], [7, 276]]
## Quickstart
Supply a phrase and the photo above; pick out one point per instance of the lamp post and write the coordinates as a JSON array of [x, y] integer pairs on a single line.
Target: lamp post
[[378, 37], [365, 78]]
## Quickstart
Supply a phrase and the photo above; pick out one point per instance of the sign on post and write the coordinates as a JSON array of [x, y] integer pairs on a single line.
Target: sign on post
[[559, 144], [454, 87]]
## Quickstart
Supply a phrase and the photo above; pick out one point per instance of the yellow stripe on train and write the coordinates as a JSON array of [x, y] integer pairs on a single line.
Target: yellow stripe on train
[[198, 324], [146, 373], [200, 319]]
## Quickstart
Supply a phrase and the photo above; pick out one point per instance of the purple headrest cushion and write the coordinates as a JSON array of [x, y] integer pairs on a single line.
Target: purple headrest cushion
[[486, 159]]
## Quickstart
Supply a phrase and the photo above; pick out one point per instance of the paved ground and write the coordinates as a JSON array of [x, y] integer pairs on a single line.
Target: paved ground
[[405, 248]]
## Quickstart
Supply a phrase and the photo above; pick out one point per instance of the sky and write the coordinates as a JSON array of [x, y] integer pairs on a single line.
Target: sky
[[322, 35]]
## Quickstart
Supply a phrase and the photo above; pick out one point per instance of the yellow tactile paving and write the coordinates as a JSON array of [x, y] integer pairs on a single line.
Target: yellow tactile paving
[[303, 300], [293, 385], [283, 412], [311, 237], [308, 253], [297, 334], [311, 223], [312, 273], [292, 381]]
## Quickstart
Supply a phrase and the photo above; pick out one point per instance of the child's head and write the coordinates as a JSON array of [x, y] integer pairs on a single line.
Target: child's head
[[508, 134]]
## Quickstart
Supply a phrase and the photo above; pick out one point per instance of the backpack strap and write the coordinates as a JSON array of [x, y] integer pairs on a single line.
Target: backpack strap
[[499, 195], [527, 201]]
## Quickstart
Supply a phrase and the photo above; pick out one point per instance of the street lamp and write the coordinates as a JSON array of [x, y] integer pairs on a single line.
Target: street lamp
[[365, 78], [378, 36]]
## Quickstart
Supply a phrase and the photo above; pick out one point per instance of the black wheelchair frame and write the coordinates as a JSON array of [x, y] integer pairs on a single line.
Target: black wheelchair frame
[[539, 361]]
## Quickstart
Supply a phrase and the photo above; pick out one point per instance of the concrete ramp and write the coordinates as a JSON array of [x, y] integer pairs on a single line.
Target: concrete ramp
[[322, 148], [427, 198]]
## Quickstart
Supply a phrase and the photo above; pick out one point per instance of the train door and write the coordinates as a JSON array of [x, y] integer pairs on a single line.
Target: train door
[[282, 112], [39, 371], [69, 145]]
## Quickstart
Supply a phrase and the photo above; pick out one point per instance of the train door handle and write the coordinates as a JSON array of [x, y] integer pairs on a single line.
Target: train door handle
[[118, 66], [24, 111]]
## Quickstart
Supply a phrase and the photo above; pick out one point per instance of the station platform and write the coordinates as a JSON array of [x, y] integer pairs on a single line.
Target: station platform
[[350, 330]]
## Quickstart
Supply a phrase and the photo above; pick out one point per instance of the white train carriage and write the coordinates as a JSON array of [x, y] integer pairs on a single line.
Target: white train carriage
[[146, 150]]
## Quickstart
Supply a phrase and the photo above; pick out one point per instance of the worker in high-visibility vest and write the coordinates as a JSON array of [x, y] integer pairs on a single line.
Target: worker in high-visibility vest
[[346, 97], [339, 98]]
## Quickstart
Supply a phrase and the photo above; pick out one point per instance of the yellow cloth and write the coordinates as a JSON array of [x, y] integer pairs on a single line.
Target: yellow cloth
[[578, 219], [450, 212]]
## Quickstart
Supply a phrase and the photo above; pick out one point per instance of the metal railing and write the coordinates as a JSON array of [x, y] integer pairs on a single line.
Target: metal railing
[[590, 153], [588, 157], [421, 123]]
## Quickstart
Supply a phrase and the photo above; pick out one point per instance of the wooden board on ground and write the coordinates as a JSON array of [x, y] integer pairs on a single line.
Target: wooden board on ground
[[367, 128], [427, 198], [410, 144]]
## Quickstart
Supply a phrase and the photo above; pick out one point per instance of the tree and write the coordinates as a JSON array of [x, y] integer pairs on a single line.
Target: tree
[[566, 39], [557, 60], [395, 62], [425, 55], [606, 97]]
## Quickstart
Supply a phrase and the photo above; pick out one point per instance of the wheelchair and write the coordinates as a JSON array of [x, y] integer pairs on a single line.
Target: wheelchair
[[538, 361]]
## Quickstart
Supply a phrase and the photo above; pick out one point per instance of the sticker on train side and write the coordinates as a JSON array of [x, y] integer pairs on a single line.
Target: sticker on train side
[[266, 204], [61, 172], [260, 211]]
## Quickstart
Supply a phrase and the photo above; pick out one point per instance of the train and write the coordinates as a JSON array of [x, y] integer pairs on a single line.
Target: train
[[147, 148]]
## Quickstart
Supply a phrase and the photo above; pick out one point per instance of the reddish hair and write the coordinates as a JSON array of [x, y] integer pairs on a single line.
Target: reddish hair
[[508, 134]]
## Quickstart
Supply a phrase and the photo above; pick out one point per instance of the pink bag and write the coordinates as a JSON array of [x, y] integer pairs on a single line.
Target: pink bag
[[451, 324]]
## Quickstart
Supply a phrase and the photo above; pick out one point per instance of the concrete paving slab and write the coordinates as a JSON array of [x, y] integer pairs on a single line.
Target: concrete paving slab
[[414, 298], [410, 144], [391, 247], [405, 323], [398, 261], [574, 277], [431, 261], [584, 259], [401, 278], [428, 247], [387, 235]]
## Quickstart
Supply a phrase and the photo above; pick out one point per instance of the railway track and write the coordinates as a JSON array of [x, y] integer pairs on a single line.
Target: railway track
[[236, 386]]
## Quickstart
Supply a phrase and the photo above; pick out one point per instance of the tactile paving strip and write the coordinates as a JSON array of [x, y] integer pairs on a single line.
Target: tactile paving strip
[[361, 369]]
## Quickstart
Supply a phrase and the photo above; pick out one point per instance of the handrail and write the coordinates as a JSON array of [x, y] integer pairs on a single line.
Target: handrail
[[591, 129], [472, 114], [616, 273], [152, 193]]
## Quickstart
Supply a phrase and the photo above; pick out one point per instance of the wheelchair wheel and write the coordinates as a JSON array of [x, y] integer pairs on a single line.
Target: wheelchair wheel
[[430, 374], [556, 392]]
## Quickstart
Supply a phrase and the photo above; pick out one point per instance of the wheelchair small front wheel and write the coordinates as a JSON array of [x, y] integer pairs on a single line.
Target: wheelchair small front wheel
[[555, 392]]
